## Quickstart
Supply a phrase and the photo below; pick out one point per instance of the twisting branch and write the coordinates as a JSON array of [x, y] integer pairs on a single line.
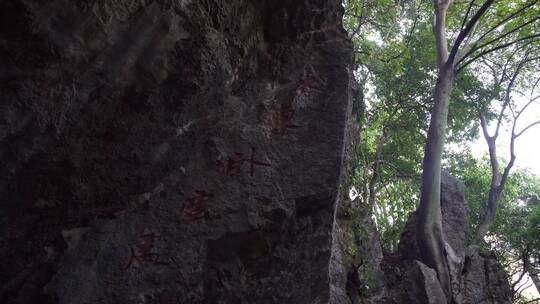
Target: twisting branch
[[502, 22], [510, 17], [492, 41], [471, 4], [533, 88], [502, 46], [498, 180], [522, 274], [468, 28], [526, 128]]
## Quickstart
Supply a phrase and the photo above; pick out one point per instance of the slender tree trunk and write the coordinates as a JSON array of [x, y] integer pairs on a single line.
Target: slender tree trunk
[[490, 212], [430, 237], [376, 174], [495, 187]]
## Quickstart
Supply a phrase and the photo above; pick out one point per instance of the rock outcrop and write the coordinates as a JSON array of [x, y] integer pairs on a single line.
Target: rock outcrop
[[476, 277], [172, 151], [455, 217]]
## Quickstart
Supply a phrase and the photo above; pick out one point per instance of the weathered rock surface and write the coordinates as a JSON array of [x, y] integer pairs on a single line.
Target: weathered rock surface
[[356, 250], [484, 280], [455, 220], [476, 277], [172, 151]]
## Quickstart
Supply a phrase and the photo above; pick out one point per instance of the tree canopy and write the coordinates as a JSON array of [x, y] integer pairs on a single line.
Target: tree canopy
[[470, 65]]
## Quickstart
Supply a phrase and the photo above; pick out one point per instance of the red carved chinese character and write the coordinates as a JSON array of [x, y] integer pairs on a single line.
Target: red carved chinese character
[[308, 82], [142, 253], [195, 208], [235, 162], [281, 120]]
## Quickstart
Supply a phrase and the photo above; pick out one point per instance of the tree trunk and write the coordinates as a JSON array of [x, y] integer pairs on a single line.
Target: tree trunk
[[376, 174], [430, 236], [488, 217]]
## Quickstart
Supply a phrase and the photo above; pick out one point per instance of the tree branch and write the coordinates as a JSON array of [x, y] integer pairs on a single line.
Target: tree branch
[[485, 52], [464, 33], [471, 4], [439, 30], [502, 36], [531, 301], [511, 16], [512, 154], [509, 88], [526, 106], [523, 272], [535, 83], [492, 148], [528, 127]]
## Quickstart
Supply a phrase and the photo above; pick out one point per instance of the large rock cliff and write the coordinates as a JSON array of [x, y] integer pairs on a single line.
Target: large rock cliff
[[172, 151]]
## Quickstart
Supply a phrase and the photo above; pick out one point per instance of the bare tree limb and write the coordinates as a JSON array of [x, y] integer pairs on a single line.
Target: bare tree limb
[[523, 272], [509, 89], [510, 17], [498, 181], [474, 46], [517, 28], [531, 101], [471, 4], [488, 51], [528, 127], [535, 85], [465, 32]]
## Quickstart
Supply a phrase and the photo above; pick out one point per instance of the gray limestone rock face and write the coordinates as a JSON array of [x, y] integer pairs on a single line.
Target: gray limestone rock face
[[484, 280], [430, 290], [455, 220], [455, 213], [356, 250], [171, 151]]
